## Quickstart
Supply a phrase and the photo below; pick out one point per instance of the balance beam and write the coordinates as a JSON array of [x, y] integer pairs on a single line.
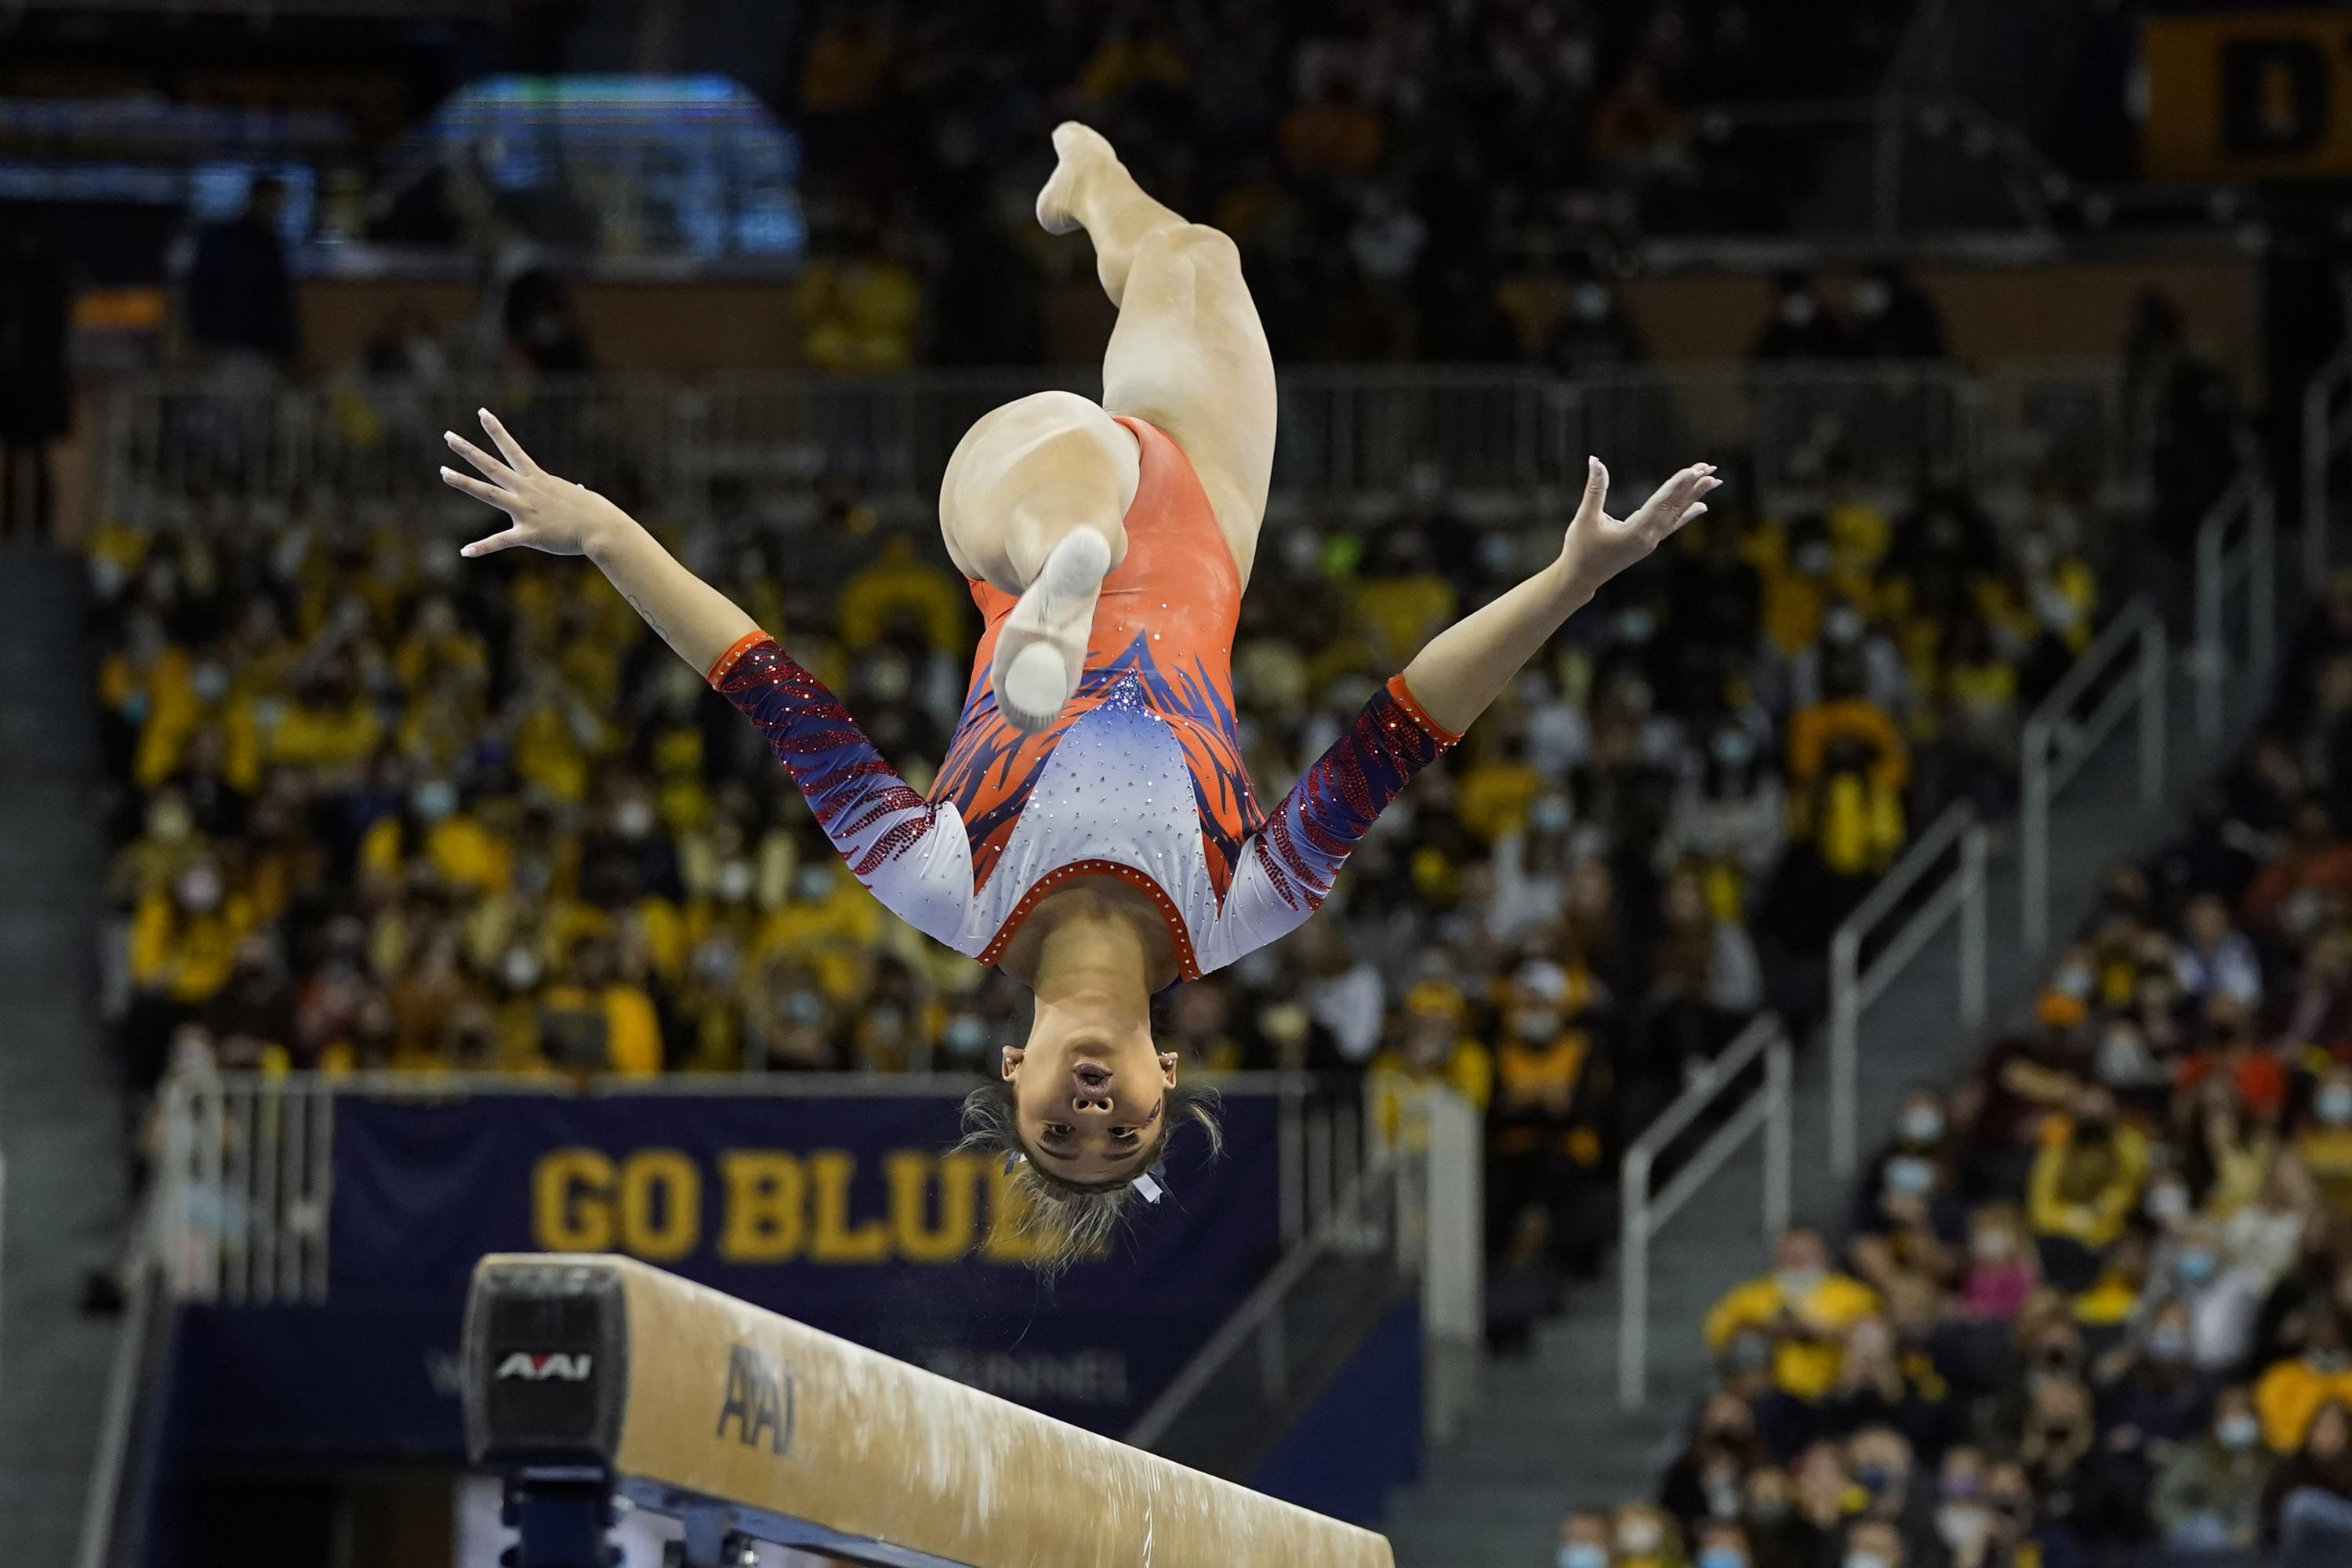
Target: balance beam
[[589, 1378]]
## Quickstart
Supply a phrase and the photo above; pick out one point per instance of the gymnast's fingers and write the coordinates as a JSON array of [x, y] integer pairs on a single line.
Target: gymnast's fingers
[[495, 543], [491, 467], [508, 445], [480, 490]]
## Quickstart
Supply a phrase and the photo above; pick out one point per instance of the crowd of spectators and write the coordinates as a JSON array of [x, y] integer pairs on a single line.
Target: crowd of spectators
[[378, 808], [1385, 167], [2093, 1305]]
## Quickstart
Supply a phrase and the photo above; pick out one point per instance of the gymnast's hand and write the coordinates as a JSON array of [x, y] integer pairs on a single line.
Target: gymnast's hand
[[550, 514], [1599, 546]]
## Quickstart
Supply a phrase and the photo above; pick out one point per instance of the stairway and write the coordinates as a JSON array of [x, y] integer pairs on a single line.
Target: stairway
[[1547, 1434], [60, 1116]]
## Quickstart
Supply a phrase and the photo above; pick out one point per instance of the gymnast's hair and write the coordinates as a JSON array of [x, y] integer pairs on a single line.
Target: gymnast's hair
[[1072, 1220]]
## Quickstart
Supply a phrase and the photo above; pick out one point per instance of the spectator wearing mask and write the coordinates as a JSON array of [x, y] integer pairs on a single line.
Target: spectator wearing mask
[[1730, 813], [1885, 1467], [2324, 1144], [2307, 1506], [1884, 1386], [1722, 1544], [1706, 1480], [1583, 1541], [2214, 959], [2084, 1187], [1848, 766], [2290, 1392], [1911, 1218], [1803, 1306], [1873, 1543], [1646, 1538], [2003, 1272], [2222, 1302], [1553, 1093], [2150, 1402], [1433, 1047], [2023, 1536], [2209, 1496]]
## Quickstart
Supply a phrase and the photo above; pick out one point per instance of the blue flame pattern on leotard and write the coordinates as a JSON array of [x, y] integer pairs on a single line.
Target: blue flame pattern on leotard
[[991, 766]]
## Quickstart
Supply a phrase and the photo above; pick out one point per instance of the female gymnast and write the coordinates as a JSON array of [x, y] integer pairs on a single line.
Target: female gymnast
[[1092, 831]]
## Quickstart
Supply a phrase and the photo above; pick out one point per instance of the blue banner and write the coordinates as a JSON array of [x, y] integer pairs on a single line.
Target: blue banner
[[849, 1214]]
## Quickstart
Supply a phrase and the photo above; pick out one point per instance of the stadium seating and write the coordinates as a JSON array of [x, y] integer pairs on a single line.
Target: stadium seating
[[2092, 1304]]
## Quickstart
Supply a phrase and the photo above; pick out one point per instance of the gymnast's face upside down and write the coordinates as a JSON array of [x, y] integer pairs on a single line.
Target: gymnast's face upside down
[[1090, 1094]]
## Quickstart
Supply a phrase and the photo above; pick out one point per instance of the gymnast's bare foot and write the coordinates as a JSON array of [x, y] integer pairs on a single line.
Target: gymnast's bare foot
[[1040, 653], [1081, 150]]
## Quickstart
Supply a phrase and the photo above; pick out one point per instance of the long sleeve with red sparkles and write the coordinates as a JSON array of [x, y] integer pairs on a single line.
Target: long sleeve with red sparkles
[[894, 840], [1290, 865]]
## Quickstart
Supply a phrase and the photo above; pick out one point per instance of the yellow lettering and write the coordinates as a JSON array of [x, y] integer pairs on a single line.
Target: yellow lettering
[[767, 1206], [910, 1172], [835, 1239], [572, 1201], [1010, 1237], [661, 1205]]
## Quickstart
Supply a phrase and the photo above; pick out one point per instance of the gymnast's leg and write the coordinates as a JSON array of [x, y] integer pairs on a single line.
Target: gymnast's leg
[[1188, 354]]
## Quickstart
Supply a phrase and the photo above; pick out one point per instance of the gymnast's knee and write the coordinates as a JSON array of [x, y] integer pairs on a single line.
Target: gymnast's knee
[[1198, 243]]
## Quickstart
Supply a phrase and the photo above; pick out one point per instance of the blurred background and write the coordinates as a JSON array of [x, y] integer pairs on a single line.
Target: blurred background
[[1849, 1066]]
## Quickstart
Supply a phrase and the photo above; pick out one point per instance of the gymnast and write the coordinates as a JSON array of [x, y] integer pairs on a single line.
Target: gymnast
[[1093, 832]]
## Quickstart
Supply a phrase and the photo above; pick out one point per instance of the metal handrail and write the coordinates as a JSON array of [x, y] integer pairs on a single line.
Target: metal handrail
[[2054, 746], [2220, 569], [1489, 428], [1642, 1217], [1341, 1229], [1853, 988], [2326, 434], [102, 1503]]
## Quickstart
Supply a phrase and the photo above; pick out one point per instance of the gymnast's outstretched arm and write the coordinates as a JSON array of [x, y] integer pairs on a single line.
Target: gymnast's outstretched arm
[[565, 518], [881, 827], [1466, 666]]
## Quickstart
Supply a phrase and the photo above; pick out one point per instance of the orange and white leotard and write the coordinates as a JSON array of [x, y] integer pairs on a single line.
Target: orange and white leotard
[[1140, 777]]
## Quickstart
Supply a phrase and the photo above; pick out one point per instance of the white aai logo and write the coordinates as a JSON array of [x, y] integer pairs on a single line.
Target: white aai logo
[[540, 1367]]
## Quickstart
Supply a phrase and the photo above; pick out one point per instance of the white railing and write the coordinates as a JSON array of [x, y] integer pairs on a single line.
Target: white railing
[[171, 443], [2236, 548], [2059, 738], [246, 1171], [2326, 438], [1643, 1215], [1853, 985]]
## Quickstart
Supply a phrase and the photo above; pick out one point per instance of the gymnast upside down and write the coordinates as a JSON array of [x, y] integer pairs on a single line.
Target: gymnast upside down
[[1093, 832]]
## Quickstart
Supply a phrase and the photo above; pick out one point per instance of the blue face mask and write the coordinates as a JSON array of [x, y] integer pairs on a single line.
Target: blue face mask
[[1583, 1554], [1722, 1557]]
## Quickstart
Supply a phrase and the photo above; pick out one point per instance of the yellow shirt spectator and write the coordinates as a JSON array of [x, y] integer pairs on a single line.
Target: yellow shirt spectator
[[2087, 1180], [1803, 1306], [901, 583], [2290, 1392]]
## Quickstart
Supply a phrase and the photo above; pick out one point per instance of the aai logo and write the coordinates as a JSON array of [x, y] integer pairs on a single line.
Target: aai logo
[[759, 1400], [542, 1365]]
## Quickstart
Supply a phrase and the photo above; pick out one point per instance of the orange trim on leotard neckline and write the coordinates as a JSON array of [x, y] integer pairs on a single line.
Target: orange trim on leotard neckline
[[1406, 701], [1187, 966], [726, 661]]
